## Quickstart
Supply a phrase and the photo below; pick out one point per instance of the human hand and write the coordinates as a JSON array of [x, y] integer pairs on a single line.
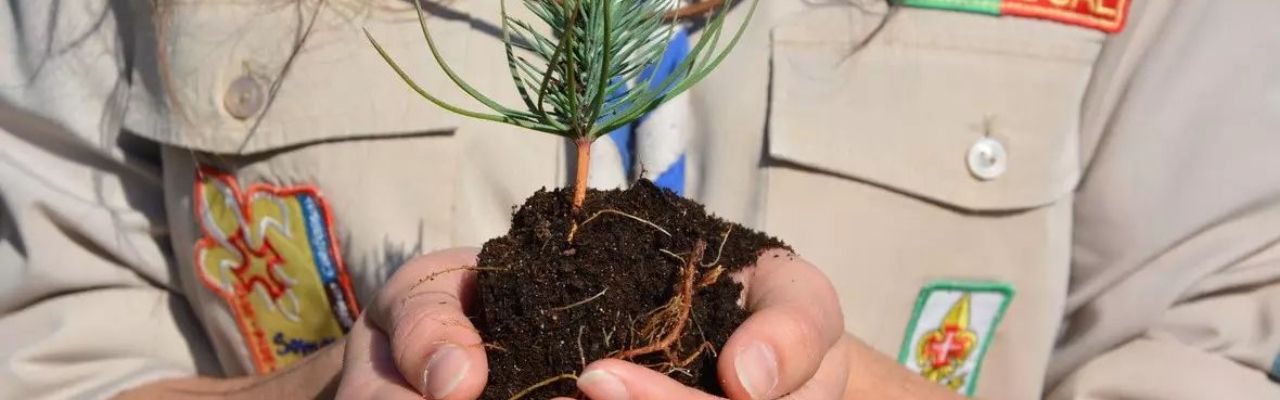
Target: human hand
[[415, 340], [792, 345]]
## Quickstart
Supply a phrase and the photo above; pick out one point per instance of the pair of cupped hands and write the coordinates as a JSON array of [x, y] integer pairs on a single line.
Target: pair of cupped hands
[[415, 340]]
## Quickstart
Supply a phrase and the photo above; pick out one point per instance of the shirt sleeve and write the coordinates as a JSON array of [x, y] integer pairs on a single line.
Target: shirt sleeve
[[1175, 285], [88, 303]]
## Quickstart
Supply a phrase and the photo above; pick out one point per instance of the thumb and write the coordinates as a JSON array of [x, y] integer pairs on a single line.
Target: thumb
[[432, 341]]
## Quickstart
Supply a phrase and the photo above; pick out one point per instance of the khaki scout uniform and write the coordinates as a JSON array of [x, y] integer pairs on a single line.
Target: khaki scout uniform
[[1071, 214]]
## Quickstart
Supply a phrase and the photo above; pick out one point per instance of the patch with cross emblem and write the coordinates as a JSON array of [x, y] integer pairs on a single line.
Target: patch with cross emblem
[[270, 253], [951, 330]]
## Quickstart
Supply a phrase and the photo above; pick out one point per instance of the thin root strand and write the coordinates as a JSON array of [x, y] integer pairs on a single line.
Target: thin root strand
[[673, 255], [582, 354], [432, 276], [494, 346], [693, 357], [544, 383], [720, 251], [573, 231], [710, 277], [580, 302]]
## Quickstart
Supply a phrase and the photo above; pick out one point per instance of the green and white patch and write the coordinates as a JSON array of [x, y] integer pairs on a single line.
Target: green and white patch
[[951, 330]]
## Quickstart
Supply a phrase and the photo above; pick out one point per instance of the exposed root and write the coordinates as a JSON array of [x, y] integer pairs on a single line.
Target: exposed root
[[631, 332], [710, 277], [703, 335], [581, 302], [544, 383], [669, 322], [673, 255], [582, 354], [495, 346], [674, 370], [434, 275], [573, 231], [693, 357], [677, 365], [608, 336], [487, 346], [720, 251]]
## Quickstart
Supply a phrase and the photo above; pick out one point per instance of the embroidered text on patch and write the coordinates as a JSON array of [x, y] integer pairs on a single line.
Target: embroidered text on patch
[[1104, 15], [271, 255], [951, 330]]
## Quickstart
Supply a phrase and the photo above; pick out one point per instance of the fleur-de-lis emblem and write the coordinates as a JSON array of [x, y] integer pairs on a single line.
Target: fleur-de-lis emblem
[[941, 352]]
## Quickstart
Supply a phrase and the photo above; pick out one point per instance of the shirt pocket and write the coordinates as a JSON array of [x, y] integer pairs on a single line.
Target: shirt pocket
[[905, 110], [250, 77]]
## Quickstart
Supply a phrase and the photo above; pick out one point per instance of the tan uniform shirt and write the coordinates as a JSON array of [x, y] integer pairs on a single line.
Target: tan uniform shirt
[[170, 205]]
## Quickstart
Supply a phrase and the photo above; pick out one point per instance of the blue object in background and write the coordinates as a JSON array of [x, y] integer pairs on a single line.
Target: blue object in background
[[661, 152]]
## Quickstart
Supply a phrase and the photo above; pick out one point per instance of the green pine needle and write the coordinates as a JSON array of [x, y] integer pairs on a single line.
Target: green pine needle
[[586, 79]]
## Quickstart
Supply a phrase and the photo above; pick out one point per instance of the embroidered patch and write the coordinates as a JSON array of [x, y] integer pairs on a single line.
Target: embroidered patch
[[270, 253], [1104, 15], [951, 330]]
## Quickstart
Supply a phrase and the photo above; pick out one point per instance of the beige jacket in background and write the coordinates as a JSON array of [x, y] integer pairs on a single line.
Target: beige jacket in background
[[1125, 190]]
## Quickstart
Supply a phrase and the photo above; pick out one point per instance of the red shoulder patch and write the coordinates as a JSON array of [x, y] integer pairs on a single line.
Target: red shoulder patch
[[1104, 15]]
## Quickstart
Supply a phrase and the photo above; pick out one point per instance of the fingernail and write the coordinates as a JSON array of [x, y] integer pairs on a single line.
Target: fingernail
[[602, 385], [446, 368], [757, 369]]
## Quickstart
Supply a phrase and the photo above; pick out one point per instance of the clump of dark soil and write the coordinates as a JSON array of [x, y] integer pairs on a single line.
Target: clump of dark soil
[[548, 305]]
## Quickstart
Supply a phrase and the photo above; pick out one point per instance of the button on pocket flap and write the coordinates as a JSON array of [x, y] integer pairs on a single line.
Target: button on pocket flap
[[246, 77], [971, 111]]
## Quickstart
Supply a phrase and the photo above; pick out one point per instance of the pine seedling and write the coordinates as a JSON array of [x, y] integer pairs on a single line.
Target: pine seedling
[[587, 76]]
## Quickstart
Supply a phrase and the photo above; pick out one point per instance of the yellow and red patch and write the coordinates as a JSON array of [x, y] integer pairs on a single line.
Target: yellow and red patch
[[270, 253], [951, 330], [1104, 15]]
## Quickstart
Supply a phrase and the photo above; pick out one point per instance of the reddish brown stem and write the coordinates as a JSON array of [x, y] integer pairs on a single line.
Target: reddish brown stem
[[580, 179]]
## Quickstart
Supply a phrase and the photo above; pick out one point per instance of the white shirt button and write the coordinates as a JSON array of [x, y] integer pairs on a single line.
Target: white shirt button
[[244, 98], [987, 159]]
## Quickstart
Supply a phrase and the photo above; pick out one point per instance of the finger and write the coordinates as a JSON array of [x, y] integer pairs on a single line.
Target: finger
[[433, 344], [620, 380], [598, 380], [832, 376], [795, 319], [368, 371]]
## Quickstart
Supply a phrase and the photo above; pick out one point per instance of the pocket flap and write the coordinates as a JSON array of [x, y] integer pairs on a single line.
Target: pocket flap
[[906, 110], [221, 63]]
